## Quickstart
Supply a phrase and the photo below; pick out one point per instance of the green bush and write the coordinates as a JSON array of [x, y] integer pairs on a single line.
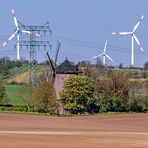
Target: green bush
[[113, 92], [21, 108], [118, 105], [44, 96], [144, 74], [13, 108], [93, 105], [3, 96], [138, 103], [76, 94], [145, 103], [103, 108]]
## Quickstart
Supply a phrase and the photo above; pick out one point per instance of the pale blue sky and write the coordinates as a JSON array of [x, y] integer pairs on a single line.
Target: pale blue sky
[[81, 26]]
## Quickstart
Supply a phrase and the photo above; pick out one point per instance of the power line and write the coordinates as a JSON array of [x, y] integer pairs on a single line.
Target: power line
[[88, 44]]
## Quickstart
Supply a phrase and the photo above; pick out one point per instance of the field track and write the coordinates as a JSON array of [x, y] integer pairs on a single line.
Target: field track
[[99, 131]]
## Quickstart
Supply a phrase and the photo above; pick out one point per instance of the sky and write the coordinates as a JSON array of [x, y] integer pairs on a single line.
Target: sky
[[81, 26]]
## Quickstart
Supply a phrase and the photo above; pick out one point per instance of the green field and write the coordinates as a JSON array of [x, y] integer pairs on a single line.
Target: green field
[[13, 92]]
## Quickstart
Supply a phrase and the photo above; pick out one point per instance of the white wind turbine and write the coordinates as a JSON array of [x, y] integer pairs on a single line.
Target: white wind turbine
[[133, 37], [18, 30], [104, 55]]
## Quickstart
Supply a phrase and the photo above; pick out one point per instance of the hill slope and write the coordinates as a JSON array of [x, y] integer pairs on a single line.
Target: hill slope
[[21, 75]]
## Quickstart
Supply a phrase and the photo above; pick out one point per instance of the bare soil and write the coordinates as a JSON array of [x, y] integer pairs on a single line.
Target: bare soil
[[98, 131]]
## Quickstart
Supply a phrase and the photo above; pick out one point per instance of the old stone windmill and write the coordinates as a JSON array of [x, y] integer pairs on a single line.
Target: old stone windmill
[[58, 75]]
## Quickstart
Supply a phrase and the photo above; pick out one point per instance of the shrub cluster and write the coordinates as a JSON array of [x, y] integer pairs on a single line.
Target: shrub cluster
[[115, 93], [10, 107], [77, 93], [3, 96]]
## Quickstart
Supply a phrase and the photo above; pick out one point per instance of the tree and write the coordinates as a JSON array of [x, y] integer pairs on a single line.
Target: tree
[[3, 96], [26, 94], [83, 63], [113, 92], [40, 97], [144, 74], [120, 66], [18, 63], [76, 94], [146, 66], [44, 95], [6, 64]]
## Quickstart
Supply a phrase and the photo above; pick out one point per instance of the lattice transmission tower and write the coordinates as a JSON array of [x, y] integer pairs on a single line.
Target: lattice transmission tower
[[33, 43]]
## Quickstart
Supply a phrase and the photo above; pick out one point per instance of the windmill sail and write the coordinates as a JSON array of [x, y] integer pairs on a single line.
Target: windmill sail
[[57, 52]]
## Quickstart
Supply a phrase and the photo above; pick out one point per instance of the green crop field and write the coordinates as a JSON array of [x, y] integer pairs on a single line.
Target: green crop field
[[13, 92]]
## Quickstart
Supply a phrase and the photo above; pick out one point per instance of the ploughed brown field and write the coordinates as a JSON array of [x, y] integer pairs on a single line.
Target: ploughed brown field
[[98, 131]]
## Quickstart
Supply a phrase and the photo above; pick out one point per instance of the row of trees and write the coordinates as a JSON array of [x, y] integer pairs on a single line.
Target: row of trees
[[6, 64], [120, 66]]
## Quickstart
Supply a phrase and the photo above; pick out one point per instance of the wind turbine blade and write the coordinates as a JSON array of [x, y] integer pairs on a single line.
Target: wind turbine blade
[[9, 39], [120, 33], [25, 31], [4, 44], [136, 26], [96, 56], [57, 52], [110, 58], [105, 46], [137, 41], [12, 36], [29, 32], [15, 20]]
